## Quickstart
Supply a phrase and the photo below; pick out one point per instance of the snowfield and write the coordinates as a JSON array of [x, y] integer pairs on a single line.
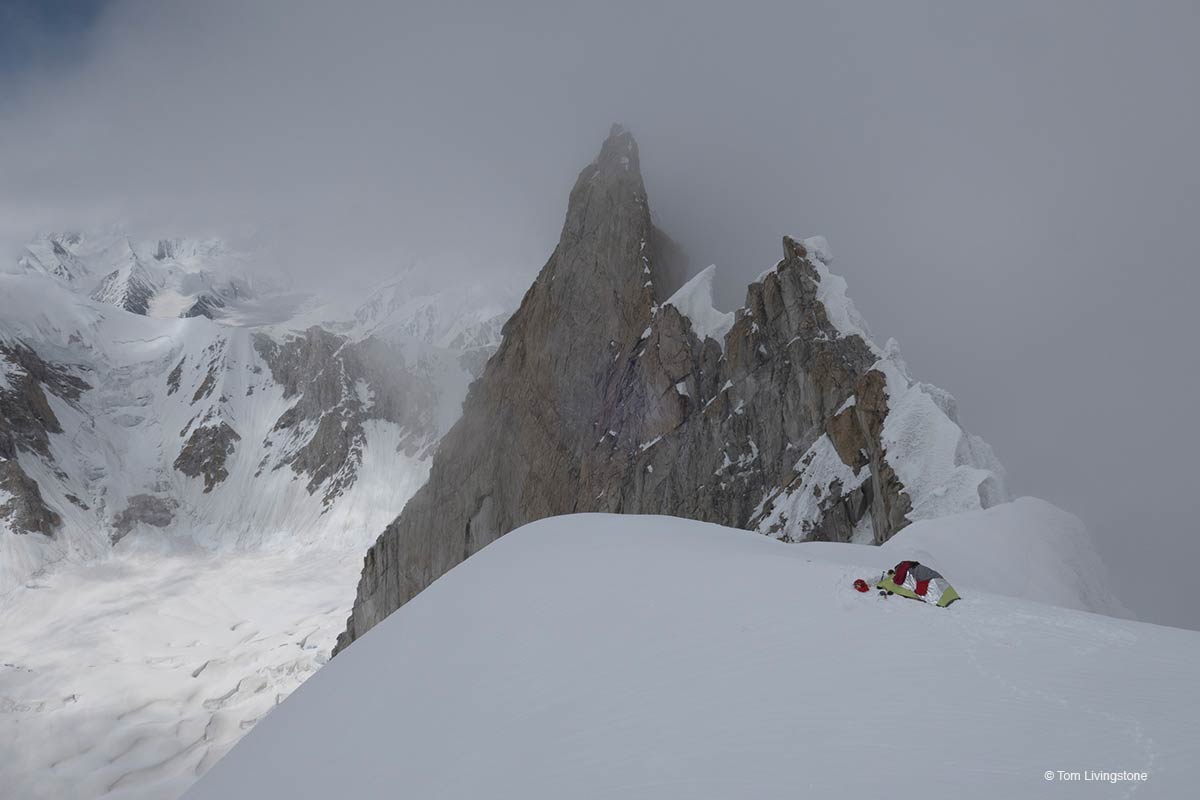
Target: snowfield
[[129, 677], [599, 656]]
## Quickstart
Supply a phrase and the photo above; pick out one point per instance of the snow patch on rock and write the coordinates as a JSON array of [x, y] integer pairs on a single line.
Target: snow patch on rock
[[831, 292], [944, 470], [695, 301], [821, 476]]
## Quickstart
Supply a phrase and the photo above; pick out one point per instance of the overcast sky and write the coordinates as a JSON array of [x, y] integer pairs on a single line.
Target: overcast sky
[[1011, 189]]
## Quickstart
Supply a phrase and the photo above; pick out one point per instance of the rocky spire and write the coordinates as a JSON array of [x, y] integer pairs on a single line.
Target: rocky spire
[[605, 397], [515, 454]]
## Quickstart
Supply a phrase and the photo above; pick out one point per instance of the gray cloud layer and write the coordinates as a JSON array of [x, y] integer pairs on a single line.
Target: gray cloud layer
[[1010, 189]]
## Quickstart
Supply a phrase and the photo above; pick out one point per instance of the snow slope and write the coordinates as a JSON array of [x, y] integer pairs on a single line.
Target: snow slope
[[599, 656], [1026, 548]]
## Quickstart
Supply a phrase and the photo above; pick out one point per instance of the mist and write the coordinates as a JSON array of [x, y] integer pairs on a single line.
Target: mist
[[1011, 191]]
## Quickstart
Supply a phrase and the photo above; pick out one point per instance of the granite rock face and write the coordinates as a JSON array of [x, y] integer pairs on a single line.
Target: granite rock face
[[205, 453], [339, 386], [22, 505], [26, 417], [607, 394], [147, 509], [27, 421]]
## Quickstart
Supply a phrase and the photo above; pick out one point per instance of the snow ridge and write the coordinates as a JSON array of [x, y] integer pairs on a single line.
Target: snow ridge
[[762, 684], [695, 301], [945, 470]]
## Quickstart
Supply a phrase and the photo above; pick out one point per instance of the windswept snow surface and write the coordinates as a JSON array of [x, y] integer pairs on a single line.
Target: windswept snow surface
[[944, 469], [1027, 548], [130, 677], [599, 656], [831, 291]]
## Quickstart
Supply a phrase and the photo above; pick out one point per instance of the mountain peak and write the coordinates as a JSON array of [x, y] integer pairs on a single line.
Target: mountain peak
[[619, 149], [608, 214], [613, 392]]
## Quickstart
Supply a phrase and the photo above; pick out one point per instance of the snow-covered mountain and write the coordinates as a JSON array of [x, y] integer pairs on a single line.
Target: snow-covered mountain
[[616, 389], [464, 318], [162, 278], [178, 438], [116, 419], [601, 656]]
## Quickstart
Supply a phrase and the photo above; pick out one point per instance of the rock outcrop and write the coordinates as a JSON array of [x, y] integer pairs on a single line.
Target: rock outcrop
[[340, 385], [146, 509], [21, 502], [613, 392], [205, 453], [131, 287], [27, 420], [26, 417]]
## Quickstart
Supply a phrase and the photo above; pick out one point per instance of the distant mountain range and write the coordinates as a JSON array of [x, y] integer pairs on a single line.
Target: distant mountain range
[[162, 388]]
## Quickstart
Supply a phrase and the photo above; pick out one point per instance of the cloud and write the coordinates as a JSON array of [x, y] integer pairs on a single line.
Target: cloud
[[1009, 190]]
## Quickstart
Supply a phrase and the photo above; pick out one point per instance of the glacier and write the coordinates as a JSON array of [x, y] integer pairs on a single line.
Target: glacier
[[210, 519]]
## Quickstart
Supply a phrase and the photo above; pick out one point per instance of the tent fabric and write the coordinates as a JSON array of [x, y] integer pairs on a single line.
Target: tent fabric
[[918, 582]]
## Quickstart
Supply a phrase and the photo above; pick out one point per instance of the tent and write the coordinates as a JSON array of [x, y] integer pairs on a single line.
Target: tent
[[916, 581]]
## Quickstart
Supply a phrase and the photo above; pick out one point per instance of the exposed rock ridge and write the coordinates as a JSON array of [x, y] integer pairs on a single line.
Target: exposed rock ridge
[[339, 385], [130, 287], [602, 398], [26, 422]]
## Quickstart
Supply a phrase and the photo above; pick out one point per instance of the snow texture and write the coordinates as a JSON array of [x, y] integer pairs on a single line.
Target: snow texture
[[695, 301], [1026, 548], [599, 656], [129, 677], [944, 469]]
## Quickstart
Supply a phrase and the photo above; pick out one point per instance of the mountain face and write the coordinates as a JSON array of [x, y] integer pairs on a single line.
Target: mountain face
[[162, 278], [118, 418], [187, 496], [615, 389], [27, 421], [467, 320]]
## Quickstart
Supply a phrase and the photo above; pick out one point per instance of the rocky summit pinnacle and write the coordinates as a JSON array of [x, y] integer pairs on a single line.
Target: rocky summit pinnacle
[[617, 389]]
